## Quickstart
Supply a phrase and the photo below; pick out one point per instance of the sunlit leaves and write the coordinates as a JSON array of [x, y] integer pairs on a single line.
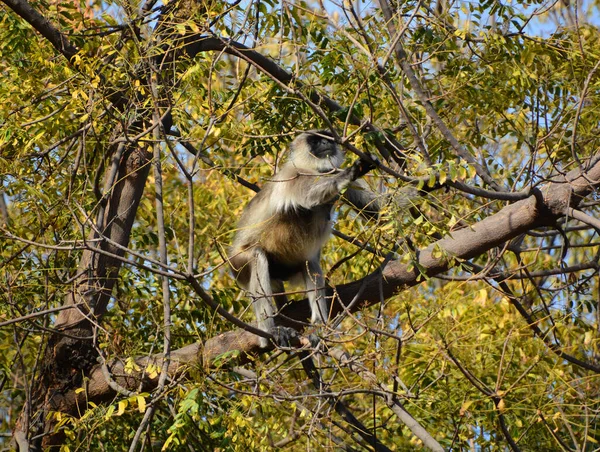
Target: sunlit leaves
[[524, 104]]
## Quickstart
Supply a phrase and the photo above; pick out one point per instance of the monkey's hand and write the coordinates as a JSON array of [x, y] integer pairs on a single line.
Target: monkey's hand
[[362, 166]]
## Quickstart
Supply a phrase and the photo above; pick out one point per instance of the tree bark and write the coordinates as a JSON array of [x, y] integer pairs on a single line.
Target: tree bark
[[70, 353], [70, 357], [541, 209]]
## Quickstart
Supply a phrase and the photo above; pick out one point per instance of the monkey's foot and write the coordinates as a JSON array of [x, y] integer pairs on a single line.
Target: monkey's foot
[[314, 340], [286, 337]]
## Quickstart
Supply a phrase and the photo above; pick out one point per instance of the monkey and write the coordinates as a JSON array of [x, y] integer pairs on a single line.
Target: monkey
[[283, 229]]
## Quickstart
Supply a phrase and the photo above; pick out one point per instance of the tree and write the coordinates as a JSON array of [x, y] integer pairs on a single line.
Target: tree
[[466, 317]]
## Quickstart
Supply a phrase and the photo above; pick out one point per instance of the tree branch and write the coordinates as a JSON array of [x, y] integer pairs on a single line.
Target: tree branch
[[422, 96], [543, 208], [390, 399], [43, 26]]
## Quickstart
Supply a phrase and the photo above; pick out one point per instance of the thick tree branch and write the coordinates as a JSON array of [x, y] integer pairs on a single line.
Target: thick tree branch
[[43, 26], [543, 208]]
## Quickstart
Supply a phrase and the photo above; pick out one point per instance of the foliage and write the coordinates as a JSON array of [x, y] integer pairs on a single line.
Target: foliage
[[518, 86]]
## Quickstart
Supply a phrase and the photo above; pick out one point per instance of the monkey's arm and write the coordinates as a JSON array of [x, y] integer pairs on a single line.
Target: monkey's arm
[[311, 190], [361, 197]]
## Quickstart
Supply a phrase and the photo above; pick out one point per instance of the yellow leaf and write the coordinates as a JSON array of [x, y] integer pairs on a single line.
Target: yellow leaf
[[481, 297], [452, 222], [152, 370], [167, 443], [431, 181], [465, 406], [443, 177], [131, 365], [141, 403], [78, 390], [437, 252], [109, 412], [501, 406], [472, 172], [519, 423], [122, 406]]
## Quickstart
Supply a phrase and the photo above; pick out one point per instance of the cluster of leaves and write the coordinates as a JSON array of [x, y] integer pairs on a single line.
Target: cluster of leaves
[[521, 103]]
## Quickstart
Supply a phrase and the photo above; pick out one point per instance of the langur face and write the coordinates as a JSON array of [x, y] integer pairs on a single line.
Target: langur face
[[316, 150], [321, 147]]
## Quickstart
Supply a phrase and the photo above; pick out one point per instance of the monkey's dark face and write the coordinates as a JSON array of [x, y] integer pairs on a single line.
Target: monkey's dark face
[[322, 146], [315, 151]]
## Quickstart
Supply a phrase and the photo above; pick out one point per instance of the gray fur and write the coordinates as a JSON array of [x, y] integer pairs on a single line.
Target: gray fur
[[284, 227]]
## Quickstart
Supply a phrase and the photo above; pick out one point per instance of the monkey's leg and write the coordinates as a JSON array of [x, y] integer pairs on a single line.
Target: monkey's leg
[[260, 291], [315, 285], [281, 299]]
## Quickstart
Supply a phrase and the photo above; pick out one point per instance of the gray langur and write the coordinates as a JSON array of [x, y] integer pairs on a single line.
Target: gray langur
[[282, 230]]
